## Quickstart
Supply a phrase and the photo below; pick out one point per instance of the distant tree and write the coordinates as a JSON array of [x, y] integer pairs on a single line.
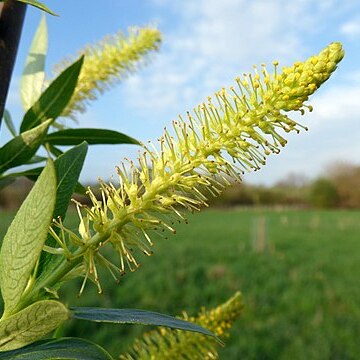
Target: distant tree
[[323, 194], [237, 195], [346, 178]]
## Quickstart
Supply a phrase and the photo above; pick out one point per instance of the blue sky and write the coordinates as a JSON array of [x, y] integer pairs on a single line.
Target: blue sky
[[207, 43]]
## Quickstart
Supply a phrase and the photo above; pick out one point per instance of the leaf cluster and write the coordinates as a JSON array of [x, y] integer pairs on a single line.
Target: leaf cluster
[[30, 274]]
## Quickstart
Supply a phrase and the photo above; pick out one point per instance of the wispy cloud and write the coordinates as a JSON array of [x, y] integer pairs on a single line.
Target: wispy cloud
[[339, 103], [213, 41], [351, 28]]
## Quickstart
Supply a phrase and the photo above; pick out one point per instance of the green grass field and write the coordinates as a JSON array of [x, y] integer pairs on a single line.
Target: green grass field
[[298, 272]]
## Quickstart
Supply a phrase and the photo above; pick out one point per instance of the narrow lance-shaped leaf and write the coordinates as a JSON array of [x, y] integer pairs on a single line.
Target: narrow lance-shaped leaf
[[54, 99], [68, 167], [25, 238], [135, 316], [54, 150], [62, 348], [31, 324], [80, 189], [161, 343], [91, 136], [39, 5], [31, 174], [36, 159], [23, 147], [32, 79]]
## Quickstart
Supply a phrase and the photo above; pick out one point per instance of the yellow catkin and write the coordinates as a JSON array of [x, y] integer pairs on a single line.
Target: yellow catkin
[[165, 343], [108, 62], [221, 139]]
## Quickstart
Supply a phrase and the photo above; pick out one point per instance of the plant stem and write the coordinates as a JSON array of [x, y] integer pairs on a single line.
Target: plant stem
[[38, 290], [12, 15], [56, 275]]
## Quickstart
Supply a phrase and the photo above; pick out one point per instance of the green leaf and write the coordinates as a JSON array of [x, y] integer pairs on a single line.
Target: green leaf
[[91, 136], [68, 167], [33, 76], [31, 174], [62, 348], [31, 324], [135, 316], [39, 5], [54, 150], [23, 147], [25, 238], [36, 159], [9, 123], [54, 99], [80, 189]]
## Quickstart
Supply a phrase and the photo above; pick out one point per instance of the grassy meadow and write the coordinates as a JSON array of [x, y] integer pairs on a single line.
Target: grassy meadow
[[298, 271]]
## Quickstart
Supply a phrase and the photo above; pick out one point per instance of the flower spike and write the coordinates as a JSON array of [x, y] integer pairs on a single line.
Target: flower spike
[[165, 343], [108, 62], [202, 156]]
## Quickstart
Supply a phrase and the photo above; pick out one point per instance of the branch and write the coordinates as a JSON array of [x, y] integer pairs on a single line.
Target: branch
[[12, 15]]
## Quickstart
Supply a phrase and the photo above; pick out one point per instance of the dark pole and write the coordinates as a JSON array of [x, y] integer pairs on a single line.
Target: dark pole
[[12, 15]]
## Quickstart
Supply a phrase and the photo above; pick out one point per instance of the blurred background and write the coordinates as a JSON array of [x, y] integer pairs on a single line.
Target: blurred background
[[288, 237]]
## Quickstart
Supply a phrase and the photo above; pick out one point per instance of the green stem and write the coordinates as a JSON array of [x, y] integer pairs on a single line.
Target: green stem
[[67, 265], [38, 290]]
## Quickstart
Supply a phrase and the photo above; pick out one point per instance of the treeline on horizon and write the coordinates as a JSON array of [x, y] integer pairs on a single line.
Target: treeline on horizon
[[337, 187]]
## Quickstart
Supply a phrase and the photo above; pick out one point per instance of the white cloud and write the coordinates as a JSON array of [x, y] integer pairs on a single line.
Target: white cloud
[[351, 28], [339, 103], [213, 41]]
